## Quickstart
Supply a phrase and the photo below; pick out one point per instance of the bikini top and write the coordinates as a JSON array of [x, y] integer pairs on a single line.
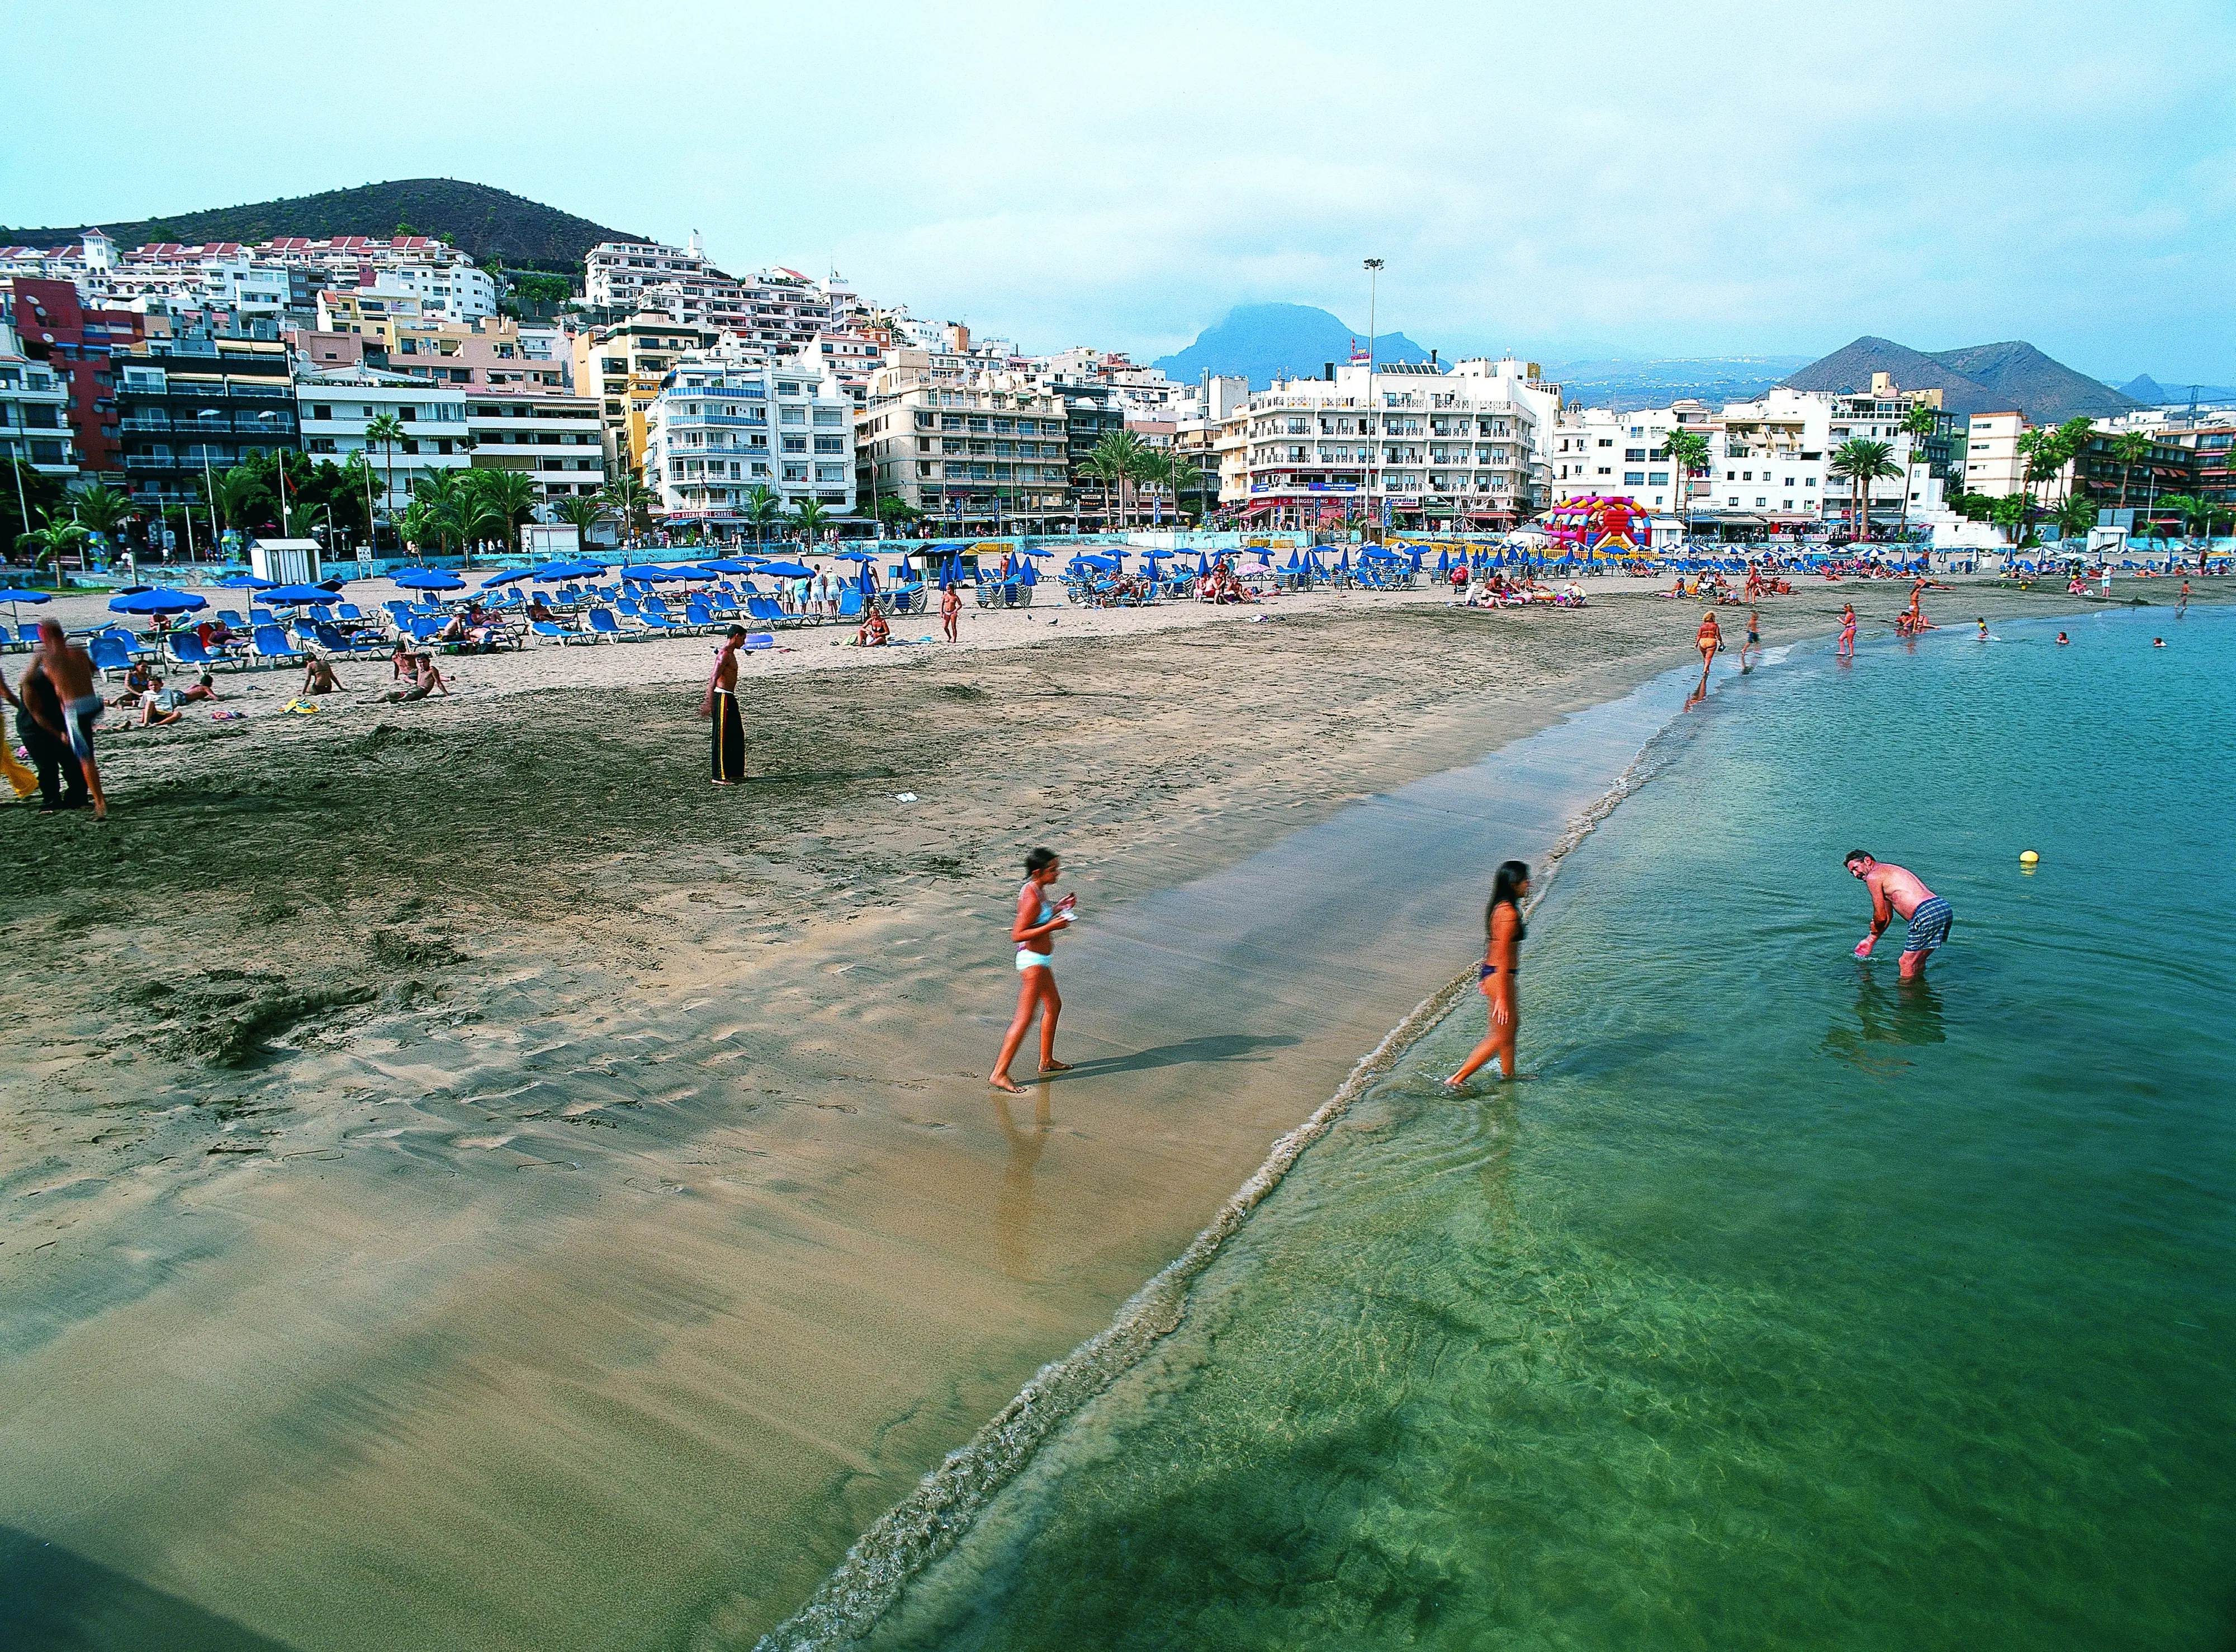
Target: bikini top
[[1487, 969]]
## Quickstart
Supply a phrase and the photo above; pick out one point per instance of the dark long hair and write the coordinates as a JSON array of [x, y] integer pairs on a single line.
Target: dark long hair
[[1505, 887]]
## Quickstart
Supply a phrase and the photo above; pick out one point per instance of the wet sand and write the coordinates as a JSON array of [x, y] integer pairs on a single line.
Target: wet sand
[[462, 1170]]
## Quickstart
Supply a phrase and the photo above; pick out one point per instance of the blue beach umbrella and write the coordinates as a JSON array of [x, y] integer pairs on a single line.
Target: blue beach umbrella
[[1202, 565], [11, 595], [787, 570], [729, 565], [245, 582], [297, 594], [421, 578], [159, 599]]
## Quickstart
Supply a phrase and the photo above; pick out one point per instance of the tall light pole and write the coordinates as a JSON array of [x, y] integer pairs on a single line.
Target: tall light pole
[[1374, 422]]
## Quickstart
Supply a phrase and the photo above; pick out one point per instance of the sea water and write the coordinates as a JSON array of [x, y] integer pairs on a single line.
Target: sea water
[[1785, 1304]]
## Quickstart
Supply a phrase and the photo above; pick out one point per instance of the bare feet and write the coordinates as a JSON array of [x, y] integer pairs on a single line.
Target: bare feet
[[1055, 1066], [1001, 1081]]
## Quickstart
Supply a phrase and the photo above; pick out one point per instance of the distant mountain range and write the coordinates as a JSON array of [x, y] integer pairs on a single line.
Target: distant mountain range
[[2149, 392], [1979, 378], [1258, 341], [1625, 382], [493, 224]]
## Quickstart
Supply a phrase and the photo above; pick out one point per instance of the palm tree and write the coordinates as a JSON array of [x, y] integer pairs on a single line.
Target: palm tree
[[808, 519], [99, 507], [1861, 462], [1688, 455], [416, 524], [2011, 512], [242, 495], [478, 518], [2067, 442], [1918, 424], [2130, 449], [1117, 459], [511, 493], [445, 494], [762, 509], [2076, 516], [583, 515], [50, 543], [628, 497], [2189, 507], [384, 432]]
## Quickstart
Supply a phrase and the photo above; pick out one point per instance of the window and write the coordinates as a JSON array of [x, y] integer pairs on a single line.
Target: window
[[1607, 441], [830, 444], [1658, 479], [322, 412], [792, 416], [795, 444], [1634, 455], [1633, 478]]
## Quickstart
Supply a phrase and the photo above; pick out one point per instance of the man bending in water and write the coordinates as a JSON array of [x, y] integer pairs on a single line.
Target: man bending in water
[[1897, 889]]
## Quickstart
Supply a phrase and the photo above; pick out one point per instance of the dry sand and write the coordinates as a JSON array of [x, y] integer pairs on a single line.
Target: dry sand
[[468, 1183]]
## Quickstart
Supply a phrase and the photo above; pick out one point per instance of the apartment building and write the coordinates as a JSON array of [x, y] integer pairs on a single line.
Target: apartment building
[[1408, 442], [554, 436], [35, 427], [357, 309], [622, 368], [77, 342], [992, 452], [718, 428], [336, 407], [1599, 451], [492, 354], [191, 408], [677, 281]]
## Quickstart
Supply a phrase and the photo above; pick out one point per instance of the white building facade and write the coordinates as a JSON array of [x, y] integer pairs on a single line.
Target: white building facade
[[336, 409], [719, 428]]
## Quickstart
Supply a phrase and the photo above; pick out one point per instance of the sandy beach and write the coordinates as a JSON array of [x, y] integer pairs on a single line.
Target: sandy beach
[[463, 1170]]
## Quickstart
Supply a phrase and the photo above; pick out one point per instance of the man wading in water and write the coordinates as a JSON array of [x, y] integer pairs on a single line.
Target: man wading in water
[[1894, 889]]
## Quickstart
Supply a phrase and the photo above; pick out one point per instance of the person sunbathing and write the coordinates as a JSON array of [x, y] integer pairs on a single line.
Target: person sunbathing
[[875, 632], [539, 611], [319, 676]]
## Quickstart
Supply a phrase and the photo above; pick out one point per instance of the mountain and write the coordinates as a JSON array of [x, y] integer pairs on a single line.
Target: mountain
[[1979, 378], [493, 225], [1259, 340], [2151, 393]]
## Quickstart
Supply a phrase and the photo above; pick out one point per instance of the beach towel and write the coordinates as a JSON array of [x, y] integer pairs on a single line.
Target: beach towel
[[24, 780]]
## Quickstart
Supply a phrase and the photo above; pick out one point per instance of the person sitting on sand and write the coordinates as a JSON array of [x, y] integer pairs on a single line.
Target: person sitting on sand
[[425, 680], [319, 676], [875, 632], [400, 664], [160, 705], [139, 679]]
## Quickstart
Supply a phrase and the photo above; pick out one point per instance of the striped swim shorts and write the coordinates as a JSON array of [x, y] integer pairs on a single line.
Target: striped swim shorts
[[1928, 926]]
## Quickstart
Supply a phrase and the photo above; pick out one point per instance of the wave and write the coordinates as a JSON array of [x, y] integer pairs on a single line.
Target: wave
[[929, 1521]]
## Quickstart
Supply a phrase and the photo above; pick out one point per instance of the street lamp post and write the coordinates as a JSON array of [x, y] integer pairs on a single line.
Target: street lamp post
[[1374, 423]]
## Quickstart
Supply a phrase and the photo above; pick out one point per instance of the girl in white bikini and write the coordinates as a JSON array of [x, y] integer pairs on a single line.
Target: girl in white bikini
[[1034, 928]]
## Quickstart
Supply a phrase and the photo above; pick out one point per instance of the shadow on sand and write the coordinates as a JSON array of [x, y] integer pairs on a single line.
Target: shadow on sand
[[53, 1600], [1211, 1047]]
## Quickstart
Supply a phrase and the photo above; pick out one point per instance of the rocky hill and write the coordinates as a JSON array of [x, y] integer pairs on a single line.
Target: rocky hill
[[493, 225], [1979, 378], [1258, 341]]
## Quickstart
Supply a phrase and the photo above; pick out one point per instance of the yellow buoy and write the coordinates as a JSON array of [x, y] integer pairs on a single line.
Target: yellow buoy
[[2028, 857]]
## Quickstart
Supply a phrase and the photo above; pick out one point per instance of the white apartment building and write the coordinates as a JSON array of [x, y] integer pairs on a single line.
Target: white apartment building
[[990, 447], [718, 428], [558, 439], [1992, 463], [1408, 442], [34, 424], [1597, 451], [336, 408]]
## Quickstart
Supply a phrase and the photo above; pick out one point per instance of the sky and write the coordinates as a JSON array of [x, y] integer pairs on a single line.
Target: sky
[[1575, 180]]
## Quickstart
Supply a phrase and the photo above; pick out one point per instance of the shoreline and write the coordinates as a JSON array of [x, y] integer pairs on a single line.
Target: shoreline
[[695, 1098]]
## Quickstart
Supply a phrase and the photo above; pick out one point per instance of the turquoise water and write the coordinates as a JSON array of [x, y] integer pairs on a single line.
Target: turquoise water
[[1786, 1305]]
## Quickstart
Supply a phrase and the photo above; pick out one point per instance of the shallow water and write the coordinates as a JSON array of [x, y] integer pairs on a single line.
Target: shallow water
[[1788, 1305]]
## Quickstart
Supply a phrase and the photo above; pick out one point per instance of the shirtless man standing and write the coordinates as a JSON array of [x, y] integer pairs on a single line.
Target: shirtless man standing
[[1896, 889], [70, 670], [720, 705]]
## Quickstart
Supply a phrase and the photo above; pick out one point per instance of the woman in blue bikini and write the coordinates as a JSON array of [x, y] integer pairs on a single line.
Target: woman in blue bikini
[[1502, 919], [1033, 929]]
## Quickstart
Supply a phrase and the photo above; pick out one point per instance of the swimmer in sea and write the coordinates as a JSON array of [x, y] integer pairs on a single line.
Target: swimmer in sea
[[2062, 639], [1983, 629], [1897, 889], [2158, 642], [1033, 929], [1847, 648], [1502, 922]]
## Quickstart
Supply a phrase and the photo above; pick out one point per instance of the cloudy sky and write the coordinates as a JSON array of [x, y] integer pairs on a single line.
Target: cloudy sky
[[1648, 180]]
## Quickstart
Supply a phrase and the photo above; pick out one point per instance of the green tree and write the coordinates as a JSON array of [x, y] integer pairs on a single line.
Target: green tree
[[417, 525], [48, 545], [512, 495], [101, 508], [809, 518], [2067, 442], [443, 493], [629, 499], [2186, 508], [25, 494], [1918, 424], [2131, 448], [583, 515], [1117, 460], [1860, 461], [896, 513], [2011, 513], [1688, 456], [386, 433], [2076, 514], [763, 509]]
